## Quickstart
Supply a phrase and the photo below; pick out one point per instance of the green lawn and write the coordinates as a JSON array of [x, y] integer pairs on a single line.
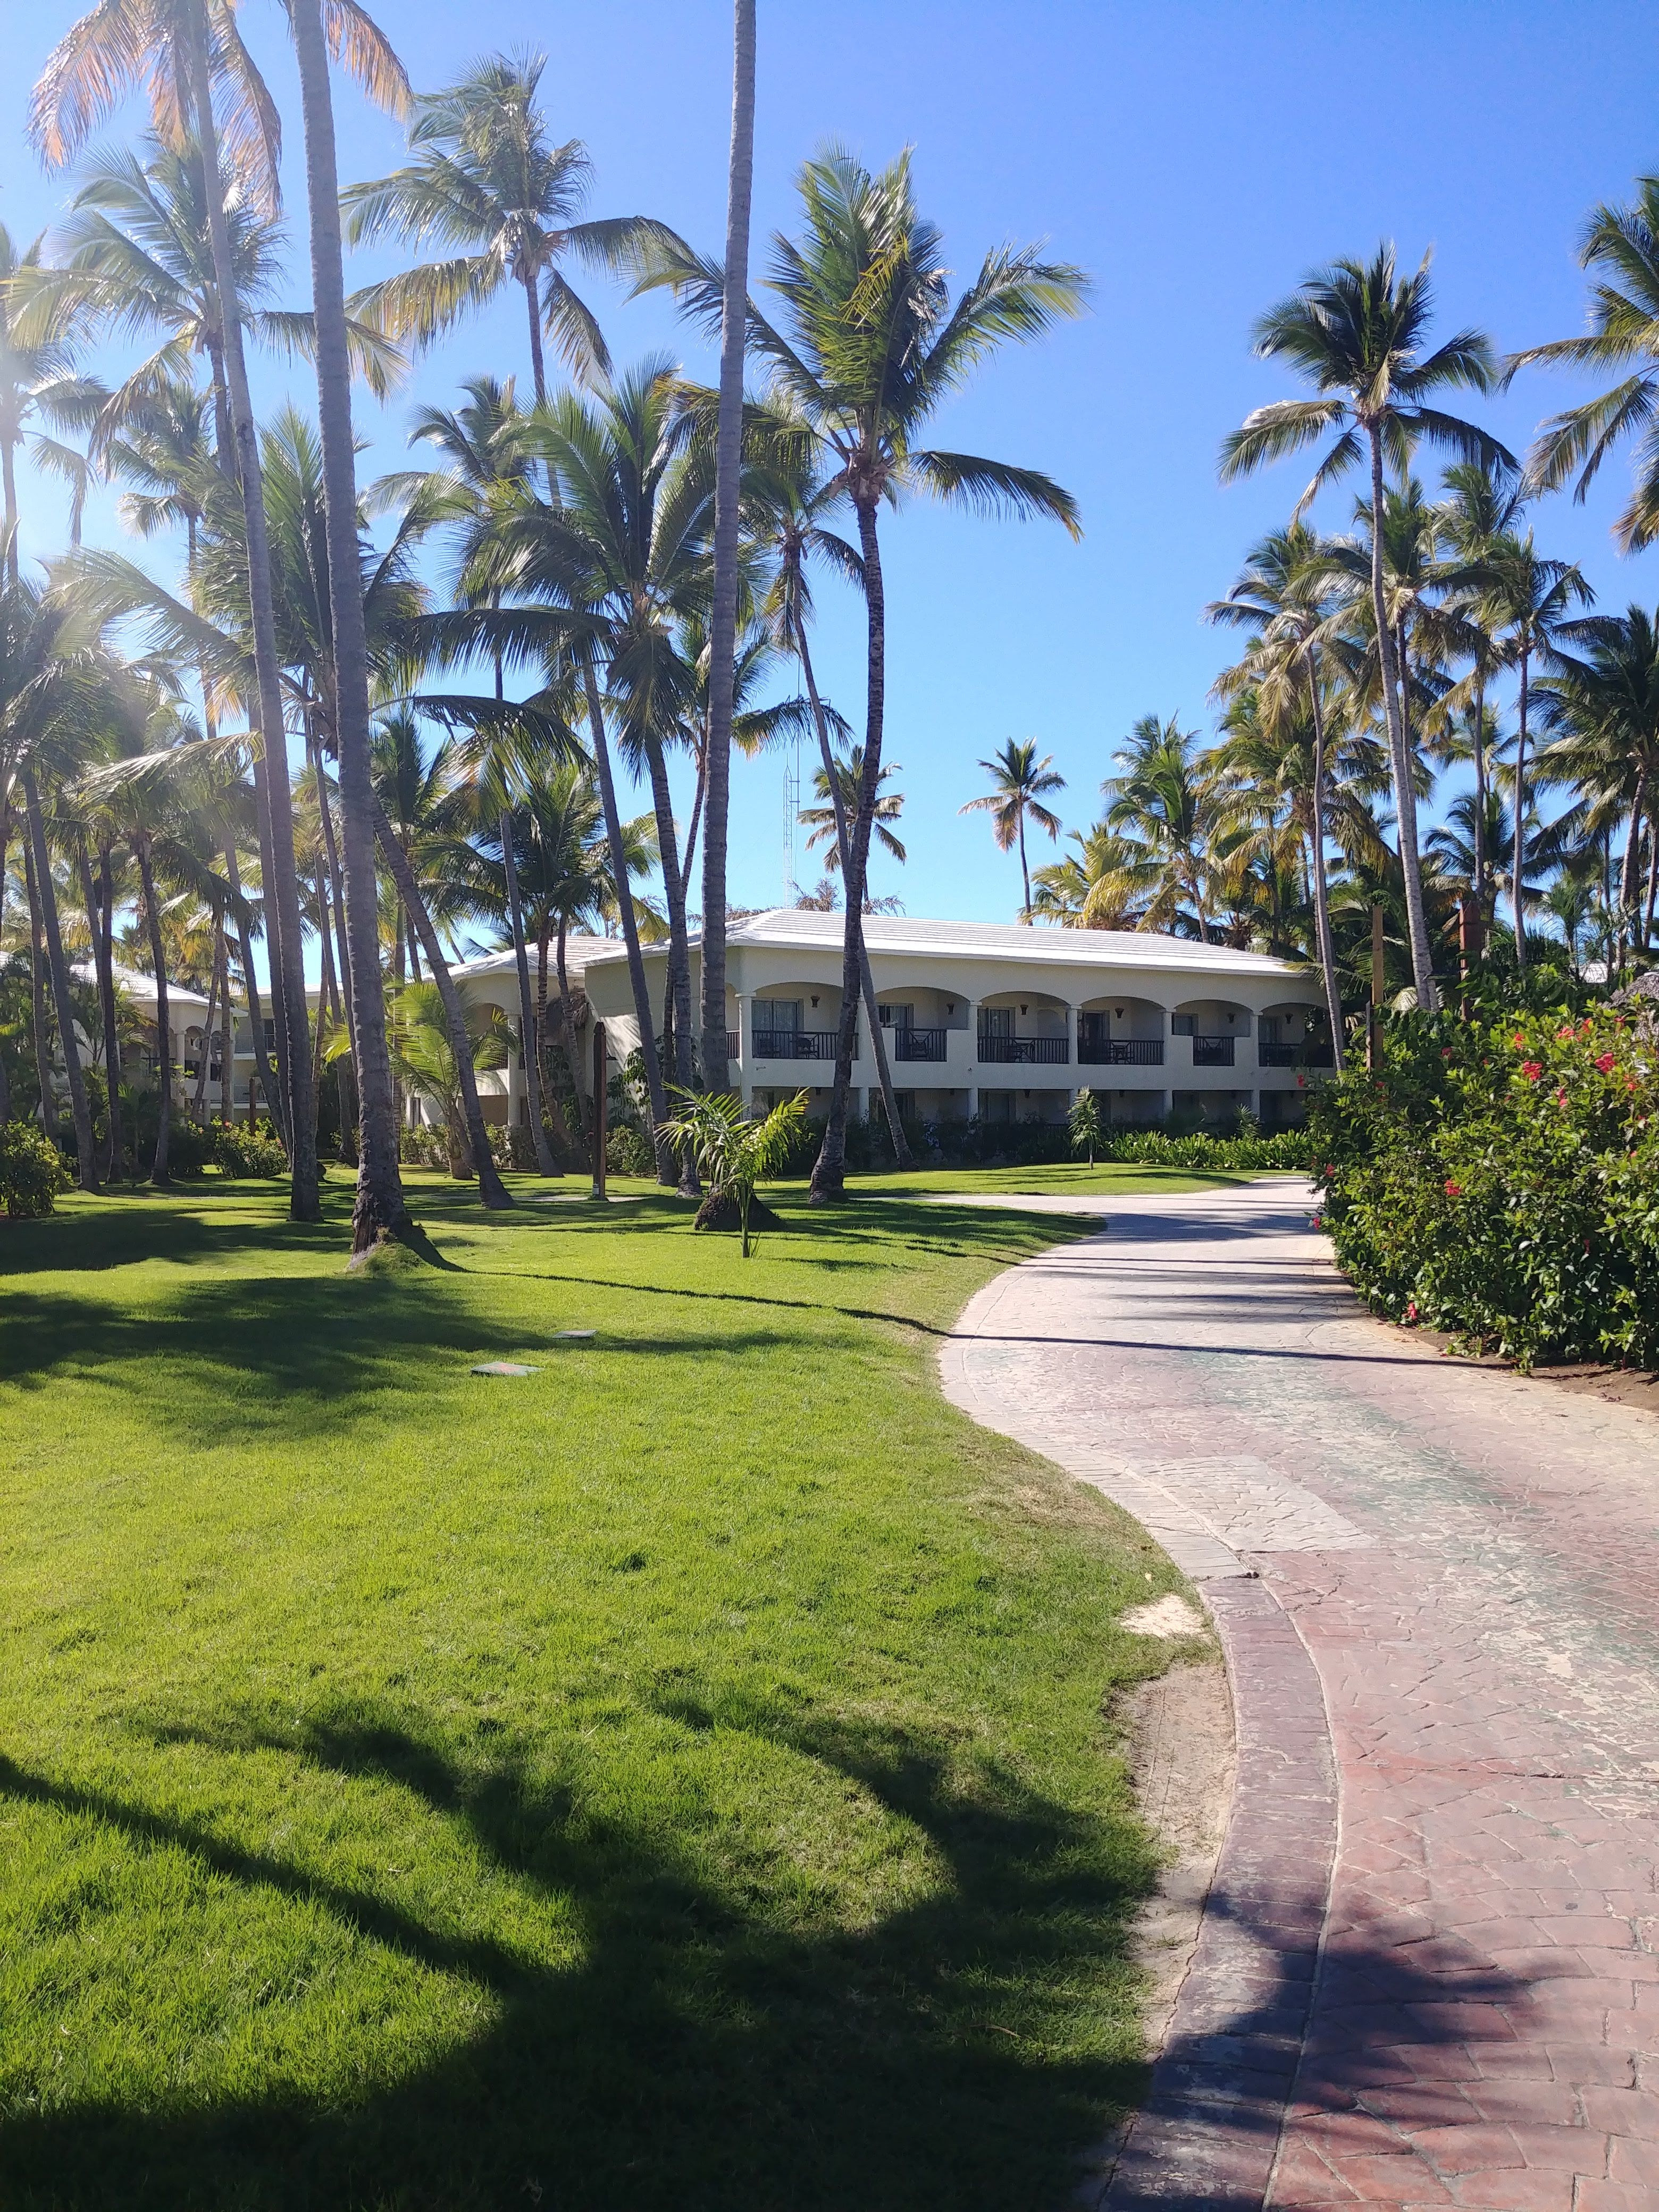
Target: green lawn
[[1070, 1177], [677, 1778]]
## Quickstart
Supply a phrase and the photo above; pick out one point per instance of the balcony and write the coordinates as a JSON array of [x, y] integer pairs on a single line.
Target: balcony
[[798, 1044], [1213, 1051], [918, 1044], [733, 1045], [1313, 1052], [1029, 1051], [1121, 1052]]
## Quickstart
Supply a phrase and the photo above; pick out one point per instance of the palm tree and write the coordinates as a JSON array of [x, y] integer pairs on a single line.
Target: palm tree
[[837, 795], [1283, 598], [733, 1150], [422, 1047], [723, 622], [379, 1211], [182, 50], [38, 384], [1102, 885], [1621, 244], [487, 178], [1020, 782], [52, 685], [1602, 706], [1483, 506], [1356, 330], [872, 345], [790, 490], [1158, 799], [1530, 599]]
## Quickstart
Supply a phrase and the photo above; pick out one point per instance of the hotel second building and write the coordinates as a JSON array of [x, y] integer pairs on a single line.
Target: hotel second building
[[1004, 1024]]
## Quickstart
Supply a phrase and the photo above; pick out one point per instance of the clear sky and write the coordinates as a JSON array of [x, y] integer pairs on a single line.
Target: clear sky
[[1197, 156]]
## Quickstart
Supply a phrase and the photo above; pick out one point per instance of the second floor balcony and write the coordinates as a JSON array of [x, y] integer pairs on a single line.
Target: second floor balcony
[[1119, 1052], [798, 1044]]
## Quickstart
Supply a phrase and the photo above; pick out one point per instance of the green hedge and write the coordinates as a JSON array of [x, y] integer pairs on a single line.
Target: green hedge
[[1500, 1179], [32, 1170]]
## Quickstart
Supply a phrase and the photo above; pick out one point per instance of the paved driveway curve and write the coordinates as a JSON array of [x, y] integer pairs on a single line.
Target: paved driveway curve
[[1429, 1968]]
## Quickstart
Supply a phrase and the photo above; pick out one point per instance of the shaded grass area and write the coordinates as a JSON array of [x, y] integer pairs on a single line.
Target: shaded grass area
[[678, 1777]]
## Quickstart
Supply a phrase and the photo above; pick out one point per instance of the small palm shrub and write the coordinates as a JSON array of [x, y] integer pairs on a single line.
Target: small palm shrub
[[1500, 1179], [32, 1170], [734, 1151]]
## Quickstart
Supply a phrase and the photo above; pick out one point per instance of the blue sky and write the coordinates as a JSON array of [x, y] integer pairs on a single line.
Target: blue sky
[[1196, 158]]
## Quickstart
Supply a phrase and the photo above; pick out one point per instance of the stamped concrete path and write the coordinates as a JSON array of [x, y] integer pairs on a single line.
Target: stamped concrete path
[[1428, 1972]]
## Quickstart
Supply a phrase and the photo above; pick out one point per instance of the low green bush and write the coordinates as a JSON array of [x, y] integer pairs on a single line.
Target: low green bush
[[32, 1170], [1500, 1179], [241, 1151]]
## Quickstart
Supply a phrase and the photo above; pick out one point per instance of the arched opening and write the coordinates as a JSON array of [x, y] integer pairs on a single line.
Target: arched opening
[[1119, 1030], [1027, 1028], [796, 1021], [1294, 1035], [916, 1020], [1217, 1030]]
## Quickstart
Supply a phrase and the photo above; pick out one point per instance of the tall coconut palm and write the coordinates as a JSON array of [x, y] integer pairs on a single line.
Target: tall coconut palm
[[1531, 601], [487, 178], [183, 50], [837, 794], [1102, 885], [871, 342], [53, 683], [38, 385], [1356, 332], [1602, 705], [1621, 245], [1283, 598], [1483, 505], [723, 619], [1020, 784], [1159, 798], [379, 1211]]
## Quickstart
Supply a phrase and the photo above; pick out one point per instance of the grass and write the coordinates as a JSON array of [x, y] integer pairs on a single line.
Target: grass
[[1067, 1178], [678, 1777]]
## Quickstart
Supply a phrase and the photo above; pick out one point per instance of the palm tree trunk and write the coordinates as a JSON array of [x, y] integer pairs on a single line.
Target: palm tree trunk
[[491, 1188], [277, 1097], [679, 948], [656, 1097], [8, 475], [256, 1019], [1653, 870], [723, 612], [1024, 871], [902, 1153], [1480, 805], [282, 886], [572, 1058], [5, 840], [85, 1156], [1321, 887], [333, 921], [198, 1105], [104, 959], [227, 1036], [828, 1182], [380, 1210], [529, 1035], [38, 998], [1517, 876], [1404, 792], [158, 955], [532, 293]]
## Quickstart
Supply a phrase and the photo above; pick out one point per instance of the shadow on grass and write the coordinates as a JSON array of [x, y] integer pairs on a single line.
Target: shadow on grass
[[703, 2054]]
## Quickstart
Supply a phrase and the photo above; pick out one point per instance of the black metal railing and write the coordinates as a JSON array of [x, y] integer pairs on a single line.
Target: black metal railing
[[1041, 1052], [1312, 1052], [1213, 1051], [918, 1044], [733, 1045], [798, 1044], [1121, 1052]]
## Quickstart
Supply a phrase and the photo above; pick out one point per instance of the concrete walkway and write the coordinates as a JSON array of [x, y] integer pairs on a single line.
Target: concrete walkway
[[1428, 1972]]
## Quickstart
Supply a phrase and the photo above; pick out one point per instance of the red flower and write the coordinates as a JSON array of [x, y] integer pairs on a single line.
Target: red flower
[[1561, 1097], [1454, 1189], [1562, 1035], [1411, 1309], [1605, 1063], [1532, 1069], [1445, 1052], [1520, 1040]]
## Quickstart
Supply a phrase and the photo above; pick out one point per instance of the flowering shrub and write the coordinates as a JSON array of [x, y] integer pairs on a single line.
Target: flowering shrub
[[1502, 1183], [241, 1151], [32, 1170]]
